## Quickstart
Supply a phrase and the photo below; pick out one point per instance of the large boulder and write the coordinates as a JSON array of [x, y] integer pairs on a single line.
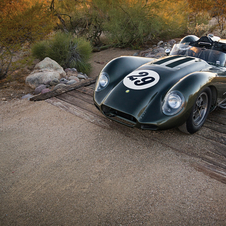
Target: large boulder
[[44, 72]]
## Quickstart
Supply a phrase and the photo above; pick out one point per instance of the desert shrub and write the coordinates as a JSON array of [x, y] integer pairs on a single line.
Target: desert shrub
[[131, 25], [39, 49], [5, 61], [123, 22], [82, 18], [65, 49]]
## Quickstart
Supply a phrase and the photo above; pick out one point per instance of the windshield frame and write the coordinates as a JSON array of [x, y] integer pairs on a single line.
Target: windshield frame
[[211, 56]]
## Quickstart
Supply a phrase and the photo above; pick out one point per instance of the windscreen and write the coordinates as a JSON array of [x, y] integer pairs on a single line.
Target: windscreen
[[213, 57]]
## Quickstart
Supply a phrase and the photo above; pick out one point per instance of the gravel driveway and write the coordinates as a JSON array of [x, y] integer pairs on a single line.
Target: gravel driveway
[[58, 169]]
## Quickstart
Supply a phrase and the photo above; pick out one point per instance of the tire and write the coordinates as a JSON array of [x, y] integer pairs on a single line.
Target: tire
[[199, 113]]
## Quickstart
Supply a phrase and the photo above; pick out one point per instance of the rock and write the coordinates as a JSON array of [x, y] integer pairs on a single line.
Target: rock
[[47, 83], [72, 73], [136, 54], [54, 82], [159, 50], [27, 96], [59, 86], [49, 64], [63, 81], [71, 82], [172, 42], [45, 90], [153, 53], [74, 69], [45, 71], [39, 89], [74, 78], [67, 70], [160, 43], [81, 76]]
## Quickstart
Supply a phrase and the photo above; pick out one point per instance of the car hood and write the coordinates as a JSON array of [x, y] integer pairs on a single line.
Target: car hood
[[149, 84]]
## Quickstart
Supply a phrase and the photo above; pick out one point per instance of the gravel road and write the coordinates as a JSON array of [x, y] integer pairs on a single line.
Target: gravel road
[[58, 169]]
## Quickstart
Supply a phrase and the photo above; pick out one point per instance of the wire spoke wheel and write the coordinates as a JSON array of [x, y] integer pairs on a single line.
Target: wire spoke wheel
[[200, 109], [199, 113], [223, 105]]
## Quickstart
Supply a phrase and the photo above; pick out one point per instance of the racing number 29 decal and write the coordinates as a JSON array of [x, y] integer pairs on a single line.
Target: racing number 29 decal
[[141, 79]]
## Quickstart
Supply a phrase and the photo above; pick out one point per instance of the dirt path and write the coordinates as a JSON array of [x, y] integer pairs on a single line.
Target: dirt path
[[58, 169]]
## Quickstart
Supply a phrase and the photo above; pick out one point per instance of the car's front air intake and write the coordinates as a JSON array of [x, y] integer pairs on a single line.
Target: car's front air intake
[[118, 116]]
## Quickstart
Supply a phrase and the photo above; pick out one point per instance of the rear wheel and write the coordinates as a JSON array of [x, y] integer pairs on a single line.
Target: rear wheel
[[223, 105], [200, 111]]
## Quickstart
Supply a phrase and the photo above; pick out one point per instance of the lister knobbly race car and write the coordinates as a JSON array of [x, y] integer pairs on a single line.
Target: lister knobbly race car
[[178, 90]]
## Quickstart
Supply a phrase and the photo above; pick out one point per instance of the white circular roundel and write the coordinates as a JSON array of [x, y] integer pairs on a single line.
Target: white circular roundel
[[141, 79]]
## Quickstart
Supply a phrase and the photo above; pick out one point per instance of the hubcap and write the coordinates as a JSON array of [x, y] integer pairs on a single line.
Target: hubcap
[[200, 109]]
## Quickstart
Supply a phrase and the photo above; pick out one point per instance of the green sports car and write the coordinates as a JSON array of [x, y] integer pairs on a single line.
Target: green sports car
[[178, 90]]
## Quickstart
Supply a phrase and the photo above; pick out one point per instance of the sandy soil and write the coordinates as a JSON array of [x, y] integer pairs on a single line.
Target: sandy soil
[[58, 169]]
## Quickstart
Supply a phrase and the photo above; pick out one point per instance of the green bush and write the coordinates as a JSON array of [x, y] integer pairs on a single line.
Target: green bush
[[5, 61], [39, 49], [124, 22], [65, 49], [131, 25]]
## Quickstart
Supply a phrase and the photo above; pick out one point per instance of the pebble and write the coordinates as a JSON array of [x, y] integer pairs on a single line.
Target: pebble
[[80, 76], [47, 83], [54, 82], [72, 73], [63, 80], [160, 43], [59, 86], [136, 54], [71, 82], [67, 69], [74, 78], [27, 96], [74, 69], [39, 89], [45, 90]]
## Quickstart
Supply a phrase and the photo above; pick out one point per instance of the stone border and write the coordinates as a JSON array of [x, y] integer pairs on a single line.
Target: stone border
[[65, 89]]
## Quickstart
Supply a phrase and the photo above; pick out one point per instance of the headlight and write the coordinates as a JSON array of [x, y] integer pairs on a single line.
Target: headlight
[[173, 103], [103, 81]]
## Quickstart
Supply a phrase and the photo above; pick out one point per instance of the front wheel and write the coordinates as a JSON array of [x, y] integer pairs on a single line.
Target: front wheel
[[199, 113]]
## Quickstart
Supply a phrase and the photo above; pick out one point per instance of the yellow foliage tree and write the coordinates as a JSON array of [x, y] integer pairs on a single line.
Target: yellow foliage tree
[[23, 20], [215, 8]]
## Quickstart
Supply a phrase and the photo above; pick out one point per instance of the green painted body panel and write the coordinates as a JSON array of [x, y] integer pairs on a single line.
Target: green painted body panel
[[144, 107]]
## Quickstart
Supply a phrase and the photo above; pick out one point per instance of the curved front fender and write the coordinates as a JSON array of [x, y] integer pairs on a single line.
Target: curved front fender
[[191, 85], [117, 69]]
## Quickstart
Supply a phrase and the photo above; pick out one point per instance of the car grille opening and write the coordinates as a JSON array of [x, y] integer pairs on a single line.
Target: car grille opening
[[119, 116], [149, 127]]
